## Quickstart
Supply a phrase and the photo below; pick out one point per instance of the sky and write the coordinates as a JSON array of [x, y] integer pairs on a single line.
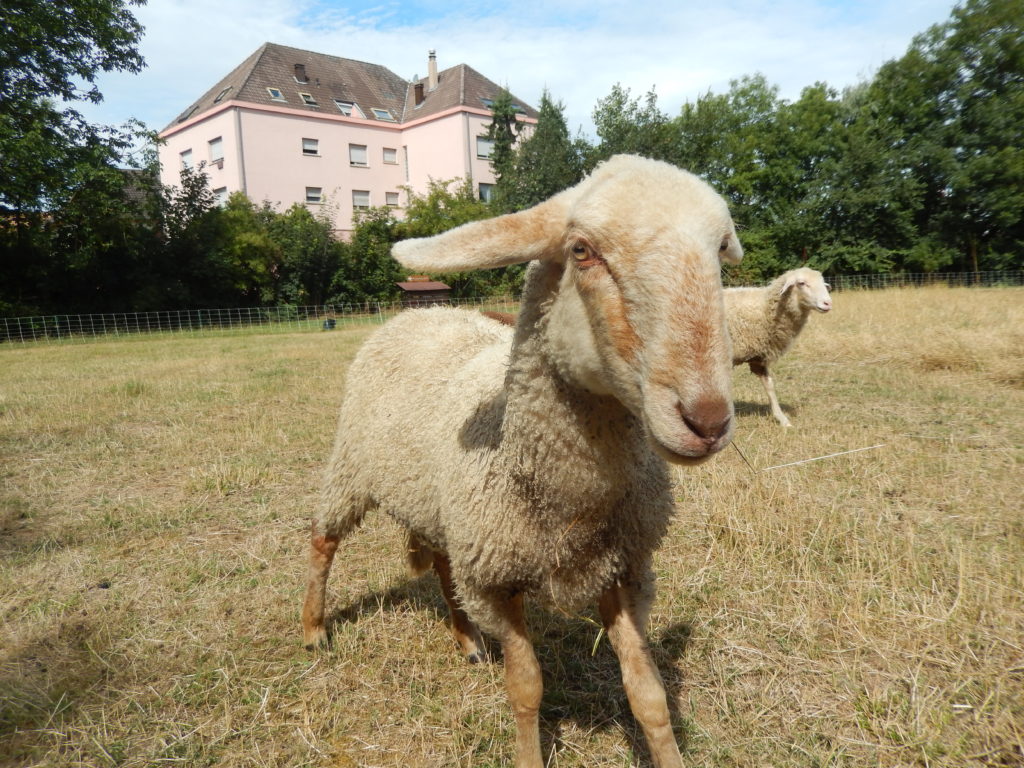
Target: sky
[[576, 49]]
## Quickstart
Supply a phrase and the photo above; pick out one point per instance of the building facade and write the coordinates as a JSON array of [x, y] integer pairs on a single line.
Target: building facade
[[291, 126]]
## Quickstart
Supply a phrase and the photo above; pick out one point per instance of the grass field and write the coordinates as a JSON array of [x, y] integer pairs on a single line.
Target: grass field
[[861, 610]]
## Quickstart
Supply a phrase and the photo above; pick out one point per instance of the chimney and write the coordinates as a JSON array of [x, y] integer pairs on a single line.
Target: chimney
[[417, 90], [300, 73], [432, 69]]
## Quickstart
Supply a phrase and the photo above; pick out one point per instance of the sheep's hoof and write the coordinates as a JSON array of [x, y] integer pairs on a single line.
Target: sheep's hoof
[[317, 638]]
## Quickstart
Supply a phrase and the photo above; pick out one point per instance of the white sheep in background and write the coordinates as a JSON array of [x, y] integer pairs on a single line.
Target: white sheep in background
[[532, 461], [764, 322]]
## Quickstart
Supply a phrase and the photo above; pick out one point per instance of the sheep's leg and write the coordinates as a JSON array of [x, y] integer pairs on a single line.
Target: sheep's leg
[[321, 555], [522, 681], [624, 620], [466, 634], [761, 371]]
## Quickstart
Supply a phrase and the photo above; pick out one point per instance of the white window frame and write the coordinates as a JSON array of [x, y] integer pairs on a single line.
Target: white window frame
[[358, 196], [186, 159], [276, 94], [358, 156], [307, 99], [217, 151], [311, 147], [314, 195], [220, 195], [391, 199], [484, 148], [349, 108], [383, 114], [486, 192], [390, 159]]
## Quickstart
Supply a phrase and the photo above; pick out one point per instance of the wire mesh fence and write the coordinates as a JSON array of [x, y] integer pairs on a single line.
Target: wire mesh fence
[[292, 319], [284, 319]]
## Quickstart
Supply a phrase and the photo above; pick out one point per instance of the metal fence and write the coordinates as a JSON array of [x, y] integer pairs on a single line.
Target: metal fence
[[286, 319], [291, 319]]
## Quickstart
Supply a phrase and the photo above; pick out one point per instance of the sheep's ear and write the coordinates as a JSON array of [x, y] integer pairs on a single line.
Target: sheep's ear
[[790, 282], [535, 233]]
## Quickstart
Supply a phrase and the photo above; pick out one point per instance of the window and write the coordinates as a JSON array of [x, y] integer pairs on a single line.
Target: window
[[186, 159], [276, 94], [220, 196], [484, 147], [357, 155], [311, 147], [349, 108], [221, 95], [314, 194], [486, 192], [391, 199], [217, 151], [383, 114], [360, 199], [390, 156], [307, 98]]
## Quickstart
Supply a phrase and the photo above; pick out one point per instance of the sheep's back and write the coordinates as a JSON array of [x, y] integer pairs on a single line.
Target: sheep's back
[[410, 393]]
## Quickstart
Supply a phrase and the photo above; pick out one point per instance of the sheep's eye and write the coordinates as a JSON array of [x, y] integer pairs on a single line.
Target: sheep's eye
[[584, 254], [580, 252], [724, 246]]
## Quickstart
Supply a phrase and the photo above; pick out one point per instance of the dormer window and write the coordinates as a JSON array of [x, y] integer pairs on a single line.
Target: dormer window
[[300, 74], [383, 114], [276, 94], [349, 108], [307, 99]]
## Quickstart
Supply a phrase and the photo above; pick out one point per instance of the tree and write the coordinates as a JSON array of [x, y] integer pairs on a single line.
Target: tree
[[367, 271], [546, 162], [626, 125], [952, 110], [449, 204], [310, 255], [503, 131], [52, 53]]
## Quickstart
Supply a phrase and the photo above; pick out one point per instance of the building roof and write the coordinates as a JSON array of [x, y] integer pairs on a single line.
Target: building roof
[[423, 285], [330, 78]]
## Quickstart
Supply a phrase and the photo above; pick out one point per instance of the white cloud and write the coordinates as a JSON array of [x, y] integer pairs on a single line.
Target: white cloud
[[577, 49]]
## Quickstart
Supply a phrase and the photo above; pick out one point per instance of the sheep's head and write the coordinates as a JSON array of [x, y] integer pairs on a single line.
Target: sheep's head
[[636, 250], [811, 288]]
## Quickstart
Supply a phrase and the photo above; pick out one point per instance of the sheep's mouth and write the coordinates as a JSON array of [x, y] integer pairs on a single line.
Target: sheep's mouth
[[685, 447]]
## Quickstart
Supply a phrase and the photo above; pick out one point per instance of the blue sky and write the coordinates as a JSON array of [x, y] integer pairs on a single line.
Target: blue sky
[[577, 49]]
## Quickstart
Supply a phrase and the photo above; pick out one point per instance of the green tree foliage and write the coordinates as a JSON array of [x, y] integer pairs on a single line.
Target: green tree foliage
[[367, 271], [310, 255], [449, 204], [546, 162], [630, 126], [951, 113], [51, 54], [254, 257], [503, 131]]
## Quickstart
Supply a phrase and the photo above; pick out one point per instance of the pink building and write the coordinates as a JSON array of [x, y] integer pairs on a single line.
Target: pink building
[[290, 126]]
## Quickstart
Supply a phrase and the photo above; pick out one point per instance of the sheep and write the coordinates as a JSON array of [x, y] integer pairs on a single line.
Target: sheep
[[533, 461], [764, 322]]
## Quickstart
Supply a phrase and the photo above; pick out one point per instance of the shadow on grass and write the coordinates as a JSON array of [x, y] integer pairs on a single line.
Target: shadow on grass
[[582, 679], [746, 408]]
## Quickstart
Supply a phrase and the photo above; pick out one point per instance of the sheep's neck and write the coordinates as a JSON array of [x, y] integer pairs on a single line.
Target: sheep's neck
[[786, 318], [557, 435]]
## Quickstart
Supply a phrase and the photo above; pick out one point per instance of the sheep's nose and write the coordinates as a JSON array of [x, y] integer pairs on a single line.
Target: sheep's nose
[[708, 418]]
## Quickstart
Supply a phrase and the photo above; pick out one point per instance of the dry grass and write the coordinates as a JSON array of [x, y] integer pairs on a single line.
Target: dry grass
[[864, 610]]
